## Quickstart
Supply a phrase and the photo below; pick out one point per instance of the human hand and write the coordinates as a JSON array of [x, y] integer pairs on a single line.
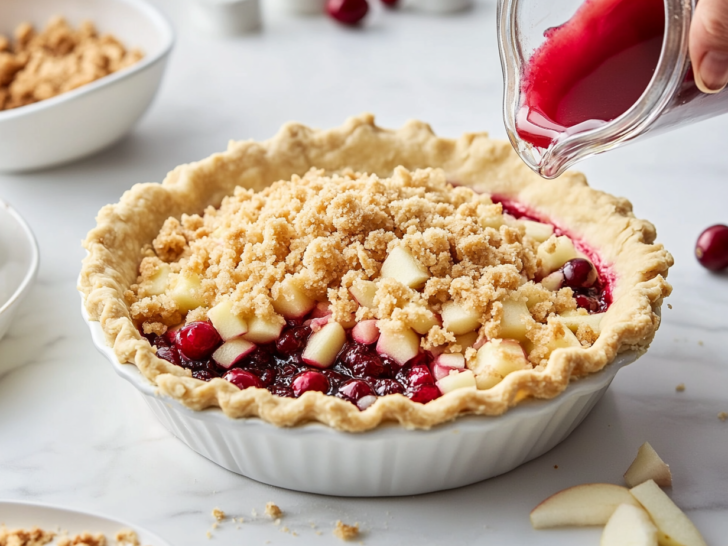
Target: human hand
[[709, 45]]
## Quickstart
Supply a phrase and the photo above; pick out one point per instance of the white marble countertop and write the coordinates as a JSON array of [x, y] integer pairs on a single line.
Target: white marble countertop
[[72, 433]]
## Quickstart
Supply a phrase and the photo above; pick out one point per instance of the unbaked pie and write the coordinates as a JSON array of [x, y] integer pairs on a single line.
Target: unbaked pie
[[359, 275]]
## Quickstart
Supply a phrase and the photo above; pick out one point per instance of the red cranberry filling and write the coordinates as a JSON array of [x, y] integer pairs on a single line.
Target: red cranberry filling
[[197, 340]]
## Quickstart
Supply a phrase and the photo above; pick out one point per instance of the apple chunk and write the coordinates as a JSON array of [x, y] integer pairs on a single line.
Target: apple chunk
[[673, 526], [186, 291], [262, 330], [158, 281], [401, 346], [365, 332], [290, 301], [401, 266], [586, 504], [501, 357], [323, 346], [537, 230], [629, 526], [459, 319], [455, 381], [227, 324], [364, 292], [555, 252], [573, 320], [512, 325], [232, 351], [421, 319], [648, 466]]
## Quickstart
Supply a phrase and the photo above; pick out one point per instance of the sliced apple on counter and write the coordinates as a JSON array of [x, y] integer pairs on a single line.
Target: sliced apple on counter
[[263, 330], [187, 291], [159, 280], [364, 292], [365, 332], [233, 351], [459, 319], [538, 231], [403, 267], [323, 346], [555, 252], [290, 301], [648, 466], [227, 323], [629, 526], [455, 381], [673, 526], [401, 346], [581, 505], [512, 324]]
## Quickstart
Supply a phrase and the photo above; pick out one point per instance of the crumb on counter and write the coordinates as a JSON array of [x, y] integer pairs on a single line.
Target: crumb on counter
[[723, 415], [218, 514], [680, 387], [669, 306], [272, 511], [346, 532]]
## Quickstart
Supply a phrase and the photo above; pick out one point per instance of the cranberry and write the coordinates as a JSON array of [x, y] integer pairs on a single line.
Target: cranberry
[[198, 340], [293, 340], [259, 358], [388, 386], [335, 378], [712, 248], [354, 390], [170, 354], [265, 375], [349, 12], [579, 273], [417, 375], [362, 362], [309, 381], [424, 393], [242, 379]]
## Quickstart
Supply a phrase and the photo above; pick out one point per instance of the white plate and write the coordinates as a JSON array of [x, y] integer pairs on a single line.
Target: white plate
[[387, 461], [51, 518], [94, 116], [19, 260]]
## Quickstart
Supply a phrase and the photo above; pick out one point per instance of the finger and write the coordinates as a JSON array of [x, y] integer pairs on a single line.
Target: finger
[[709, 45]]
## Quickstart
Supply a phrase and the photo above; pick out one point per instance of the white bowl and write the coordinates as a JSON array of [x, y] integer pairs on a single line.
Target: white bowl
[[387, 461], [23, 515], [19, 258], [92, 117]]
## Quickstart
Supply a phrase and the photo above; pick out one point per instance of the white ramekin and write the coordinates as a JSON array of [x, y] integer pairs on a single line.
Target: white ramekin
[[94, 116], [387, 461]]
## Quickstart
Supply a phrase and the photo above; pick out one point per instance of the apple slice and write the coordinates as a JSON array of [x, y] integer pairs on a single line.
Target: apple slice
[[323, 346], [159, 281], [674, 528], [401, 346], [467, 340], [264, 330], [401, 266], [629, 526], [586, 504], [487, 380], [232, 351], [538, 231], [290, 301], [648, 466], [553, 281], [227, 324], [444, 364], [458, 319], [573, 320], [555, 252], [566, 341], [424, 319], [364, 292], [365, 332], [322, 309], [187, 291], [512, 325], [501, 357], [456, 380]]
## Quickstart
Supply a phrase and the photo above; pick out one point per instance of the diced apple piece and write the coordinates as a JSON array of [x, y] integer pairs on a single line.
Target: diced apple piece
[[573, 321], [227, 324], [567, 341], [323, 346], [467, 340], [455, 381], [648, 466], [629, 526], [263, 331], [586, 504], [424, 319], [401, 266], [458, 319], [512, 325], [322, 309], [290, 301], [537, 230], [555, 252], [553, 281], [495, 221], [502, 357], [364, 292], [401, 346], [366, 332], [232, 351], [159, 281], [487, 380], [673, 526], [451, 360], [186, 292]]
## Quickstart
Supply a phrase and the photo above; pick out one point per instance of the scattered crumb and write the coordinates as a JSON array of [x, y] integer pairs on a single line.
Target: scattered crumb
[[556, 467], [285, 530], [272, 510], [294, 533], [346, 532], [218, 514], [254, 513], [277, 521], [214, 525], [319, 533], [669, 306], [723, 415], [700, 342], [312, 524], [680, 387], [208, 534]]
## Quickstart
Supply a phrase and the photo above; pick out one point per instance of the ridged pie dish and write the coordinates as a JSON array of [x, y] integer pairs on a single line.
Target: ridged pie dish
[[172, 271]]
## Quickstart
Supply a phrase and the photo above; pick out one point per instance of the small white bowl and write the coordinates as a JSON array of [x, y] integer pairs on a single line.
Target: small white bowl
[[387, 461], [23, 515], [19, 259], [92, 117]]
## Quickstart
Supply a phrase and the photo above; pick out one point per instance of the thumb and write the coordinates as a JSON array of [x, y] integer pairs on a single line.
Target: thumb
[[709, 45]]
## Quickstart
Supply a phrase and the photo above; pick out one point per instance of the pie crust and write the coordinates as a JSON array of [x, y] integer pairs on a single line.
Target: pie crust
[[625, 246]]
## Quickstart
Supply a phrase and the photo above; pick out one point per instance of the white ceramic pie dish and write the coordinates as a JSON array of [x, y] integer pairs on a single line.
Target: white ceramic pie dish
[[92, 117], [387, 461], [23, 515], [19, 259]]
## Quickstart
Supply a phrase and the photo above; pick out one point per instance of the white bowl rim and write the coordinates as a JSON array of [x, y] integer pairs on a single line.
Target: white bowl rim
[[215, 416], [122, 523], [34, 259], [161, 23]]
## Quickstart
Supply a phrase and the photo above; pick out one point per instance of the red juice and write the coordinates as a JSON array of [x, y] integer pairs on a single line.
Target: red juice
[[591, 69]]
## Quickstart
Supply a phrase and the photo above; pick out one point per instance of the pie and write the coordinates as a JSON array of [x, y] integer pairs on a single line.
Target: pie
[[358, 275]]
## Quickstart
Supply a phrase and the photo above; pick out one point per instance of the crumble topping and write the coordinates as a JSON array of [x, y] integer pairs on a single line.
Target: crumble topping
[[24, 537], [218, 514], [273, 512], [36, 536], [346, 532], [40, 65]]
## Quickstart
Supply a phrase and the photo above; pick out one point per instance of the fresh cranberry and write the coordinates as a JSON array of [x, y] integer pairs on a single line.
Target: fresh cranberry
[[424, 393], [309, 381], [265, 375], [349, 12], [391, 365], [712, 248], [423, 358], [259, 358], [242, 379], [388, 386], [579, 273], [354, 390], [198, 340], [335, 378], [362, 362], [293, 340], [170, 354], [416, 375]]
